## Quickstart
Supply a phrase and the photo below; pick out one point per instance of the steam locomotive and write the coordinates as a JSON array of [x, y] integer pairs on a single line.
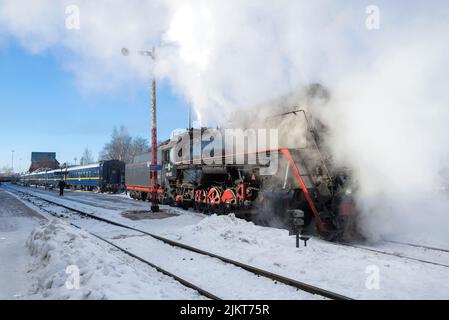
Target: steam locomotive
[[198, 171]]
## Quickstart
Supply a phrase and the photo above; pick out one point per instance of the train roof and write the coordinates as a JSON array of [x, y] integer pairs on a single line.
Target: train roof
[[41, 171], [60, 170], [88, 166]]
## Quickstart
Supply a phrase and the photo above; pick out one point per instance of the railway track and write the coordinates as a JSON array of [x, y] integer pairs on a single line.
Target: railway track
[[254, 270], [418, 246], [184, 282], [395, 254]]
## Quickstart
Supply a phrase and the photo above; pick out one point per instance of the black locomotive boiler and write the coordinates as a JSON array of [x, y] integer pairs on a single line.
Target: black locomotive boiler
[[199, 172]]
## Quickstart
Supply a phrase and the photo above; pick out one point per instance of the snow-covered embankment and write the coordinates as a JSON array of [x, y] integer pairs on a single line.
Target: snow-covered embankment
[[61, 252]]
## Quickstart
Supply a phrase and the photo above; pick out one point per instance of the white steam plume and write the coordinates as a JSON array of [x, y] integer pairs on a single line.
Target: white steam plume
[[388, 112]]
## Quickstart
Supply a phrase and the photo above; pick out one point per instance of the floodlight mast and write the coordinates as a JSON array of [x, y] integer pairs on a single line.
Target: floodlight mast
[[153, 169]]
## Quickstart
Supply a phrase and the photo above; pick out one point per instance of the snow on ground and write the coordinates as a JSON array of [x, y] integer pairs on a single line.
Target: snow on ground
[[105, 273], [107, 201], [112, 207], [346, 270], [421, 253], [34, 262], [221, 279]]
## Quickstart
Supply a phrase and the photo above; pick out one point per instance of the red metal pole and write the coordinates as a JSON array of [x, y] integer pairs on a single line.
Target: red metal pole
[[154, 206]]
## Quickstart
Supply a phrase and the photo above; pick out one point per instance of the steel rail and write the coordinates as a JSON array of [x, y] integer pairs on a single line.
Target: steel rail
[[267, 274], [184, 282], [398, 255], [418, 246]]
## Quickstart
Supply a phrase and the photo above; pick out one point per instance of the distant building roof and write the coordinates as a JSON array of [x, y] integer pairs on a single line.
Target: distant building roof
[[43, 160], [42, 156]]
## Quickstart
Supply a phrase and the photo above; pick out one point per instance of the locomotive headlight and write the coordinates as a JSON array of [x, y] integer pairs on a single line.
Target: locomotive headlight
[[348, 191]]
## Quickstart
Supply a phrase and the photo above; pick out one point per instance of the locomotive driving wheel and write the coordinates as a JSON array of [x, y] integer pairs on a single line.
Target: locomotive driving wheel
[[229, 200], [214, 199]]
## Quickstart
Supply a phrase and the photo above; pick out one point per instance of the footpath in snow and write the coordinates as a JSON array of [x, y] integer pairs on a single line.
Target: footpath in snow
[[16, 223]]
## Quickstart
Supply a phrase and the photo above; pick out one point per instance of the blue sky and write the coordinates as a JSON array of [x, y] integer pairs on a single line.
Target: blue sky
[[43, 110]]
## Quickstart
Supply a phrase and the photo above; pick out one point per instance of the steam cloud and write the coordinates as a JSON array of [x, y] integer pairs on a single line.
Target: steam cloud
[[388, 112]]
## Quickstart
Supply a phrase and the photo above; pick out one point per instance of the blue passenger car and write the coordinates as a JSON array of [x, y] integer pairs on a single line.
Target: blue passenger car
[[104, 176]]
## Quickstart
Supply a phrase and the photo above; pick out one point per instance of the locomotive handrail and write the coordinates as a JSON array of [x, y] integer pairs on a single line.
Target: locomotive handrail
[[309, 129], [287, 154]]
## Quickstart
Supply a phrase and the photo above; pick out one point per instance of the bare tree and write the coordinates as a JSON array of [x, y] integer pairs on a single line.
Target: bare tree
[[6, 171], [118, 147], [87, 157], [139, 145], [122, 146]]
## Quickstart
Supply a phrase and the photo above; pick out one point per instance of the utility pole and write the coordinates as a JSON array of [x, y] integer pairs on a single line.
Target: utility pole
[[153, 168]]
